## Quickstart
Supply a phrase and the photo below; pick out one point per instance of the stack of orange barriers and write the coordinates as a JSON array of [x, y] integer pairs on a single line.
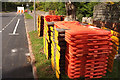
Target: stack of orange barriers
[[87, 51]]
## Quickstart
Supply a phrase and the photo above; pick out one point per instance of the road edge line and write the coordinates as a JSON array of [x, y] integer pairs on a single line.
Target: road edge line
[[34, 69], [8, 23]]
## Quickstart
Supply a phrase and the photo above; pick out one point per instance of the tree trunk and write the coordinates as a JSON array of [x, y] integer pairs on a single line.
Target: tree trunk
[[70, 11]]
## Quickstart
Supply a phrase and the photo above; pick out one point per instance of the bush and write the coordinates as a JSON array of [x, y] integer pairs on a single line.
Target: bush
[[31, 8]]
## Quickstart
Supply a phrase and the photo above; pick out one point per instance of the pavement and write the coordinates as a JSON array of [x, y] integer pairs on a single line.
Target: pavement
[[30, 22], [14, 48]]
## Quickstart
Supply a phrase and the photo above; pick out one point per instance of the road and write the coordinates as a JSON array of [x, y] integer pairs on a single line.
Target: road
[[14, 48]]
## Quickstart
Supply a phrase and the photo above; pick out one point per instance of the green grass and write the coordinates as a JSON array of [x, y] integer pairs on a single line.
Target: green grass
[[43, 65], [28, 16]]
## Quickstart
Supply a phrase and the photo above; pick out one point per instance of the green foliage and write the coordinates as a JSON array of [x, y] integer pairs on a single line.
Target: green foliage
[[12, 6], [8, 6], [31, 8], [83, 9], [59, 7], [56, 12]]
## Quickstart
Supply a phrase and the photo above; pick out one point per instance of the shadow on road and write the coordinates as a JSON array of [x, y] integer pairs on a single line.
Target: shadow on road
[[20, 73]]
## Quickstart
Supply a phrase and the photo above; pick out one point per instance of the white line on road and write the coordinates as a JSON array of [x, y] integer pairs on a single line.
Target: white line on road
[[16, 26], [3, 29], [14, 32], [8, 23]]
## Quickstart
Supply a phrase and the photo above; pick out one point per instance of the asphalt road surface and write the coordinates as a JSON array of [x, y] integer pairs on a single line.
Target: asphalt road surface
[[14, 48]]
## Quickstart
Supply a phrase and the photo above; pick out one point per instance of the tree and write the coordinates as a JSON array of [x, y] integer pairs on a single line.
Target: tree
[[84, 9], [70, 11]]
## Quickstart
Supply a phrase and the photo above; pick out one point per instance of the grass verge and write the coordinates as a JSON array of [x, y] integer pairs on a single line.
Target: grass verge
[[43, 65], [28, 16]]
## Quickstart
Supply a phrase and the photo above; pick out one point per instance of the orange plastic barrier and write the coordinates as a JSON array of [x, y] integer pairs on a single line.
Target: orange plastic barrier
[[50, 18], [22, 11], [88, 48]]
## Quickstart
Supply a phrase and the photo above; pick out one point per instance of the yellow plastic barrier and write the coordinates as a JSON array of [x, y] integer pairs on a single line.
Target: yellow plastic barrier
[[51, 46], [115, 33], [38, 25], [115, 41]]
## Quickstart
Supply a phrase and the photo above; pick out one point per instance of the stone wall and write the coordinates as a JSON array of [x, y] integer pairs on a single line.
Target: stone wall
[[107, 15], [107, 12]]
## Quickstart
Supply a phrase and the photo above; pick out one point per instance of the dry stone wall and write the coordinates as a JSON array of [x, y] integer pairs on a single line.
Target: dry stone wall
[[107, 15]]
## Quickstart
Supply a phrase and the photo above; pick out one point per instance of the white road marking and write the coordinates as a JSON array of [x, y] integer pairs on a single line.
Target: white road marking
[[16, 26], [14, 32], [14, 50], [3, 29], [9, 23]]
